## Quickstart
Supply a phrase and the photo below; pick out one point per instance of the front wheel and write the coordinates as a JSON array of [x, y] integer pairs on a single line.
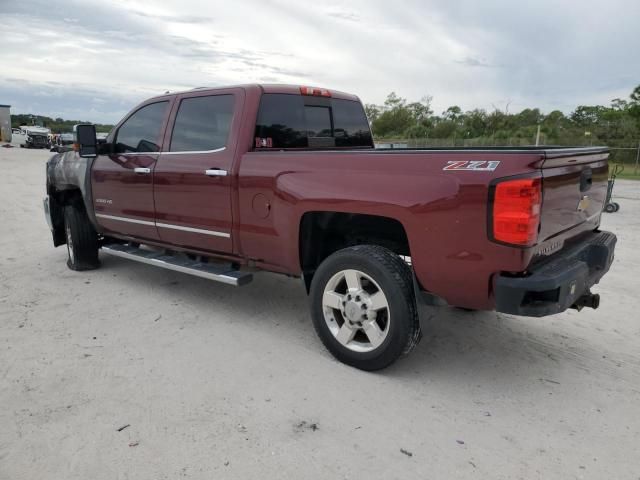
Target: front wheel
[[363, 306], [82, 239]]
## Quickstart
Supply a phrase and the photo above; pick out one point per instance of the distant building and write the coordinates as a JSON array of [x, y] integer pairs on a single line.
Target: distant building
[[5, 123]]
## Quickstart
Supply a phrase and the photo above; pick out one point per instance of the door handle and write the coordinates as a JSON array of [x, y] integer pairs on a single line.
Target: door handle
[[142, 170], [215, 172]]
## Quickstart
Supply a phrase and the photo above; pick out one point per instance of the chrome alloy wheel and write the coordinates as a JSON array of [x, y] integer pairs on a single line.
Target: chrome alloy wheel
[[356, 310]]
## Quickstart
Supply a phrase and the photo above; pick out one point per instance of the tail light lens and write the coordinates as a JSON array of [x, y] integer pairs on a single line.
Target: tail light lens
[[516, 211]]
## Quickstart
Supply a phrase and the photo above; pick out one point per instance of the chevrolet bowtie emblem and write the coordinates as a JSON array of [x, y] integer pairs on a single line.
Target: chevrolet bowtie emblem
[[583, 204]]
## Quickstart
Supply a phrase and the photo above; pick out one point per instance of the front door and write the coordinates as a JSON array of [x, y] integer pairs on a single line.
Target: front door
[[122, 181], [192, 178]]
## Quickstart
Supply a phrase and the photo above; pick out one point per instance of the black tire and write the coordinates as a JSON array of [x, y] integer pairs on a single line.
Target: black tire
[[617, 206], [394, 277], [82, 239], [609, 208]]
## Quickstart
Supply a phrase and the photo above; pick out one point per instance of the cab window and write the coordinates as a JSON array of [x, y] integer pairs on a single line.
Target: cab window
[[202, 123], [141, 131]]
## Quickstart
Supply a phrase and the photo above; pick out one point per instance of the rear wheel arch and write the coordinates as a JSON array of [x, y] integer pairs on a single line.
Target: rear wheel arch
[[322, 233]]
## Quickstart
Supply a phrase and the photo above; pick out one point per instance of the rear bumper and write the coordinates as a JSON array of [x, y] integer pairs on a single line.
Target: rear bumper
[[558, 282]]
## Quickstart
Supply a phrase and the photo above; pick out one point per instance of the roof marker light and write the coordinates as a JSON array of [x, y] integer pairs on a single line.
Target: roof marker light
[[315, 91]]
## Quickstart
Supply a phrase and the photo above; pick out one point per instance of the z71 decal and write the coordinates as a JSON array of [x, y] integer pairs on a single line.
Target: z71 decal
[[473, 165]]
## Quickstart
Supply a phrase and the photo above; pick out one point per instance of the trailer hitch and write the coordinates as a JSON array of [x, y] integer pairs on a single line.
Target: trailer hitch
[[588, 299]]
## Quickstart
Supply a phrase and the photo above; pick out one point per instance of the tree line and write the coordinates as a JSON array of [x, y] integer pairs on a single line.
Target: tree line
[[57, 125], [615, 125]]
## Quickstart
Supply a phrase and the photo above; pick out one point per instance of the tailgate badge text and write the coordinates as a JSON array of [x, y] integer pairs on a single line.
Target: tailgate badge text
[[472, 165]]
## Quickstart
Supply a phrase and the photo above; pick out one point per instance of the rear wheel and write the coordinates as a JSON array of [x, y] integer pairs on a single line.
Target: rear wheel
[[363, 306], [609, 208], [617, 206], [82, 239]]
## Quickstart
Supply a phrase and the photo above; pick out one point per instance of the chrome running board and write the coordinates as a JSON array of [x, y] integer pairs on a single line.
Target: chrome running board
[[223, 273]]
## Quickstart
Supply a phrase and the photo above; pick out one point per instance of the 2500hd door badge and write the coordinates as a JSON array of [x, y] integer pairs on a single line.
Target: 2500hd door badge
[[472, 165]]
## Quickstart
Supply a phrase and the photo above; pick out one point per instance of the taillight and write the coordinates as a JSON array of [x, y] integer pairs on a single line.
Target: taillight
[[516, 211], [315, 92]]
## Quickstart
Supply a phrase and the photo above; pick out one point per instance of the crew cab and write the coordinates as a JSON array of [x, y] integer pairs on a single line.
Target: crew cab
[[224, 182]]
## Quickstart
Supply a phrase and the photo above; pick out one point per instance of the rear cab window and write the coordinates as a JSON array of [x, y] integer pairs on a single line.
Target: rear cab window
[[300, 121]]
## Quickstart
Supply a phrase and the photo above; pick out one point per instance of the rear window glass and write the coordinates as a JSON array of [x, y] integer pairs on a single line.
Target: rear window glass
[[351, 125], [202, 123], [297, 121]]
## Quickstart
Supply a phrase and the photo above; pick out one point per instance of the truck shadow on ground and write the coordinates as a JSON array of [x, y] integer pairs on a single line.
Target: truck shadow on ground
[[473, 346]]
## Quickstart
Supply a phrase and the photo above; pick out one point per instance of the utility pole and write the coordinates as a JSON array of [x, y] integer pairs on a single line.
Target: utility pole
[[635, 170], [538, 136]]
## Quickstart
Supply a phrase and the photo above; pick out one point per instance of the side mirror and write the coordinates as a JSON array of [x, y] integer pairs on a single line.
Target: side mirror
[[86, 140]]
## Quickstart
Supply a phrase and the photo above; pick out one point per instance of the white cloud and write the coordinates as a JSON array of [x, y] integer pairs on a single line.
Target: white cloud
[[94, 62]]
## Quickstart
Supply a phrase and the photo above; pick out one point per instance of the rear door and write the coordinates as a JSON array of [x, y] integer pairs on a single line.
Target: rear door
[[574, 186], [122, 181], [193, 176]]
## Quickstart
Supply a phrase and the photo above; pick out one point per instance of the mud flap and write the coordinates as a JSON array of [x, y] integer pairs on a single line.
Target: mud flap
[[424, 299]]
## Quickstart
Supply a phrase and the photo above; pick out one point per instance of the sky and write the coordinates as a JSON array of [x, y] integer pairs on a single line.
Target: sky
[[95, 61]]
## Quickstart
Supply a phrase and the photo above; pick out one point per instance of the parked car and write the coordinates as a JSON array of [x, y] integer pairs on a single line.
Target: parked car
[[221, 183], [101, 137], [32, 137], [63, 142]]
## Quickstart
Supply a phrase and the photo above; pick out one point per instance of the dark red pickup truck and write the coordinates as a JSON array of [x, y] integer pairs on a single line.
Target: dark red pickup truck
[[222, 182]]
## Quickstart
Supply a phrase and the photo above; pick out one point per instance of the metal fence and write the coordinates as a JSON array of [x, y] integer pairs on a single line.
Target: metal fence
[[628, 156]]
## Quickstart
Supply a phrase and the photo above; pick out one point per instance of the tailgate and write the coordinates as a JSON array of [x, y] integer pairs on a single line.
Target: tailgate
[[574, 183]]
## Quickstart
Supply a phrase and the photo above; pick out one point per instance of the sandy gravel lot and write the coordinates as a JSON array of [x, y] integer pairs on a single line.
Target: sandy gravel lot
[[216, 382]]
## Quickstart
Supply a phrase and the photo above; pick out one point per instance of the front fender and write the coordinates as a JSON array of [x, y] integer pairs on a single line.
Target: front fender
[[67, 173]]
